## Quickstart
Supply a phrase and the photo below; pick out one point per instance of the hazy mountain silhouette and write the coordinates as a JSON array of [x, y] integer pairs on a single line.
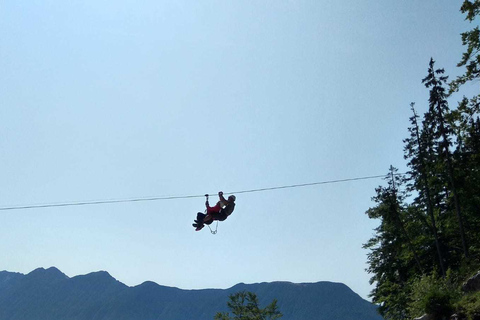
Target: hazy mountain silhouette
[[48, 294]]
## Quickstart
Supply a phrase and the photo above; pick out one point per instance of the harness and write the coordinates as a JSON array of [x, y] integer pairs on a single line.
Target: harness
[[213, 231], [216, 226]]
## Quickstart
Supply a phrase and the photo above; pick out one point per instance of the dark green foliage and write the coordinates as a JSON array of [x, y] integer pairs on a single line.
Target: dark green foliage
[[471, 8], [468, 307], [393, 258], [434, 295], [244, 306], [430, 218], [439, 225], [471, 39], [442, 132], [438, 304]]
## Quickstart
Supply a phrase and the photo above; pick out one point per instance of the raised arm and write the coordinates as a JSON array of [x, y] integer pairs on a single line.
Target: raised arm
[[222, 199]]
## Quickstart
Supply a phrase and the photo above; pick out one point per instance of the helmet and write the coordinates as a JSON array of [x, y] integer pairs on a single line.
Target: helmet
[[232, 197]]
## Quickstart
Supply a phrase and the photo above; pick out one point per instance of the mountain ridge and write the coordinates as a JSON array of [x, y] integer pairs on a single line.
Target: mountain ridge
[[49, 294]]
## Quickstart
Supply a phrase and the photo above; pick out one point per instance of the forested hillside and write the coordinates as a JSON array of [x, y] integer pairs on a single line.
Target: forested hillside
[[428, 240]]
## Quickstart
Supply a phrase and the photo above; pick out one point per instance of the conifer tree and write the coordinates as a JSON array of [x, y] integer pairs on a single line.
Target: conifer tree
[[395, 209], [439, 230], [244, 306], [435, 119], [392, 257], [467, 160], [471, 57], [416, 153]]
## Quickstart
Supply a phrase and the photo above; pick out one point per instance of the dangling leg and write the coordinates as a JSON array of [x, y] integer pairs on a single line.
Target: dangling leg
[[200, 217], [198, 225], [208, 219]]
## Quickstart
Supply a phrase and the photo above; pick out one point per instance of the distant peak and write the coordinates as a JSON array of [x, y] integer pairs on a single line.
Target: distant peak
[[99, 277], [54, 270], [6, 276], [151, 284], [50, 273], [101, 274]]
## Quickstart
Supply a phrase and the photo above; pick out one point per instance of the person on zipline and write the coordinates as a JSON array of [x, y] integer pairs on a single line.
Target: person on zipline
[[219, 212]]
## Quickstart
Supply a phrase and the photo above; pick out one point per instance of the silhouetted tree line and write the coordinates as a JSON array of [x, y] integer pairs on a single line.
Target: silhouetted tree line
[[428, 239]]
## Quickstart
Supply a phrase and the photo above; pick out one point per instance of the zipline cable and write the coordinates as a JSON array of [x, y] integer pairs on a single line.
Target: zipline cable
[[308, 184], [98, 202]]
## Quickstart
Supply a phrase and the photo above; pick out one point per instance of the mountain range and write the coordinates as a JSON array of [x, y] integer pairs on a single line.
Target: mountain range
[[48, 294]]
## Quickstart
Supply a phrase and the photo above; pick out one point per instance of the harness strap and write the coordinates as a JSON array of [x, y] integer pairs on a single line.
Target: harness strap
[[216, 227], [213, 231]]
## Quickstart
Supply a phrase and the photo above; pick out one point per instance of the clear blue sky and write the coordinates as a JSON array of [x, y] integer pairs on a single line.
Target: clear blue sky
[[131, 99]]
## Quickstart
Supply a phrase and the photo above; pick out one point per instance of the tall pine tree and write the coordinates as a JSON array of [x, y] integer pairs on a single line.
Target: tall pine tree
[[393, 258], [415, 152], [436, 121]]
